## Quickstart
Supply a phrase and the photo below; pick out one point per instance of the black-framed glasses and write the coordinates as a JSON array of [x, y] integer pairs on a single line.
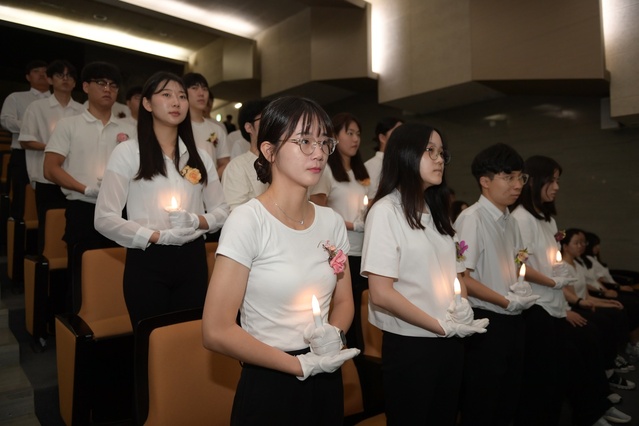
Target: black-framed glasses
[[62, 76], [435, 153], [511, 179], [104, 84], [308, 146]]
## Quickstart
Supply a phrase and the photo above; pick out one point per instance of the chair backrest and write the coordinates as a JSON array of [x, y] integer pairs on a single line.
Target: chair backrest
[[372, 335], [181, 382], [55, 249], [103, 307], [30, 212], [211, 248]]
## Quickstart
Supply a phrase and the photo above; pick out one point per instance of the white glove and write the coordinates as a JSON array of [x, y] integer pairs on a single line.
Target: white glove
[[184, 219], [561, 282], [178, 236], [313, 364], [324, 340], [520, 303], [358, 225], [452, 328], [521, 289], [93, 190], [460, 313]]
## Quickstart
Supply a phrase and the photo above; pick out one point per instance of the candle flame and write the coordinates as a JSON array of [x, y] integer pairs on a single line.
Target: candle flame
[[558, 256], [315, 304], [365, 200], [174, 204], [457, 287], [522, 271]]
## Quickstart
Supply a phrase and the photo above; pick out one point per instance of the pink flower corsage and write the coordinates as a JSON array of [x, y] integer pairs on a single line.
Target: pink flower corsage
[[121, 137], [336, 258], [560, 235], [191, 174], [213, 139], [461, 249], [521, 257]]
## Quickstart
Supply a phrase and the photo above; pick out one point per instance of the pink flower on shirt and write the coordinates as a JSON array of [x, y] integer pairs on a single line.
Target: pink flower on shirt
[[336, 258], [122, 137]]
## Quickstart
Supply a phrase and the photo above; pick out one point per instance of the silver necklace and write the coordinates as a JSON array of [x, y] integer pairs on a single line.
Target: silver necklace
[[301, 222]]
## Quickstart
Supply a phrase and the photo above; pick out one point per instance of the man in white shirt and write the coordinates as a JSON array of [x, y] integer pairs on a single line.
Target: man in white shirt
[[13, 109], [209, 135], [39, 121], [493, 369], [239, 179], [78, 150]]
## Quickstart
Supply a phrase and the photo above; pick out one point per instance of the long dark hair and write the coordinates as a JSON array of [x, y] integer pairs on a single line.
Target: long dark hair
[[541, 170], [566, 240], [400, 170], [151, 157], [278, 123], [592, 240], [342, 121]]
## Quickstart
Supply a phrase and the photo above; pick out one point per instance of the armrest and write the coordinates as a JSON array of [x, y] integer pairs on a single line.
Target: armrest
[[76, 325]]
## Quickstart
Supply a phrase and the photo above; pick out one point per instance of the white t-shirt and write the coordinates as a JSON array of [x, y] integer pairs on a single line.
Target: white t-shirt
[[601, 271], [347, 199], [237, 143], [539, 239], [287, 267], [578, 271], [493, 241], [13, 109], [146, 200], [423, 264], [86, 145], [374, 168], [211, 137], [38, 123], [239, 180]]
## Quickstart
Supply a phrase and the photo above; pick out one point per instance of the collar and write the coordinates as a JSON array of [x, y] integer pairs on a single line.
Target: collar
[[91, 118], [379, 154], [493, 210], [38, 94], [181, 147]]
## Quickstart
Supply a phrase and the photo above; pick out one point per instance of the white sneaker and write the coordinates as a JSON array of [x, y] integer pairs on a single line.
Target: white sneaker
[[615, 416], [615, 398], [601, 422]]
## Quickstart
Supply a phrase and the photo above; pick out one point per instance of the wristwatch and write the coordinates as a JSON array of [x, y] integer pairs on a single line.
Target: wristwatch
[[343, 337]]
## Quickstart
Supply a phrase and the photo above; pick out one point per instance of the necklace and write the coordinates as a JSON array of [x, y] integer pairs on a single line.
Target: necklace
[[301, 222]]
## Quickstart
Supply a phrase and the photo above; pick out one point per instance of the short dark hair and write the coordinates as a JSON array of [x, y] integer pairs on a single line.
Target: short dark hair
[[248, 112], [58, 66], [383, 126], [38, 63], [135, 90], [496, 159], [95, 70], [193, 79]]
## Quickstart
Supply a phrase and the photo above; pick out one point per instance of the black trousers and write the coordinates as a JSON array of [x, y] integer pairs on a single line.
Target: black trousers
[[493, 370], [48, 196], [612, 325], [270, 397], [545, 358], [17, 169], [422, 379], [163, 279]]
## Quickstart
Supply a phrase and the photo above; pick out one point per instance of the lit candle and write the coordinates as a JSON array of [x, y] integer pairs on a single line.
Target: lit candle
[[365, 201], [457, 288], [317, 314], [174, 205], [522, 273], [558, 257]]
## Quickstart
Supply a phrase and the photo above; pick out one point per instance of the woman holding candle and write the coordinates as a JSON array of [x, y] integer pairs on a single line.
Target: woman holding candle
[[276, 252], [145, 175], [345, 187], [411, 262], [562, 354]]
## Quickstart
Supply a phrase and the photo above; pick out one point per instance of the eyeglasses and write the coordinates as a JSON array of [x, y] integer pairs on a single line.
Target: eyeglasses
[[434, 154], [308, 147], [62, 76], [104, 84], [511, 179]]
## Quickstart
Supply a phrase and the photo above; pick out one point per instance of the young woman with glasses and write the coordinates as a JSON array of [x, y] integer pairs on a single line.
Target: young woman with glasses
[[278, 252]]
